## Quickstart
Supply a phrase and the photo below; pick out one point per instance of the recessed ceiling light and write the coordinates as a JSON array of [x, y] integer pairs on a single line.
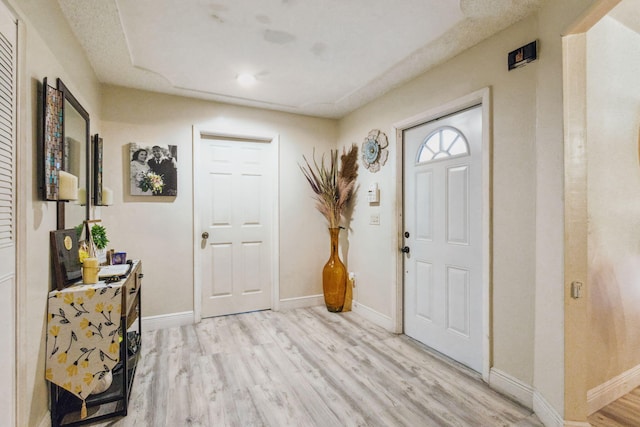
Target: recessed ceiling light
[[246, 79]]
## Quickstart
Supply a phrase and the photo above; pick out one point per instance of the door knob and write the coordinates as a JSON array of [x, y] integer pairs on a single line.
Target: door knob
[[405, 249], [205, 235]]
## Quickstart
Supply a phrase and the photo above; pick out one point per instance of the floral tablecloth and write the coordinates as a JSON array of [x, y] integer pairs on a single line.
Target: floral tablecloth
[[83, 339]]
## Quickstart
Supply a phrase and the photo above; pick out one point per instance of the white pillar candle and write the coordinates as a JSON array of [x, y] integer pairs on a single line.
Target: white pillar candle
[[107, 196], [82, 196], [67, 186]]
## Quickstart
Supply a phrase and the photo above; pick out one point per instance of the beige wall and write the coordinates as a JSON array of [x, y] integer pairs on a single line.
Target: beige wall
[[613, 108], [159, 231], [46, 49]]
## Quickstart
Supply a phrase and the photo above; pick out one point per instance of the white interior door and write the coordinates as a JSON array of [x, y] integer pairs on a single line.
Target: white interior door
[[443, 299], [235, 212], [7, 218]]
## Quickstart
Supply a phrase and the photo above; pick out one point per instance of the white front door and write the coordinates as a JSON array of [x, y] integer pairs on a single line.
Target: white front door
[[443, 290], [235, 211], [7, 218]]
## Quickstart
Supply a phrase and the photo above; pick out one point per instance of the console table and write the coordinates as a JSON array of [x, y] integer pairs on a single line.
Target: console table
[[91, 331]]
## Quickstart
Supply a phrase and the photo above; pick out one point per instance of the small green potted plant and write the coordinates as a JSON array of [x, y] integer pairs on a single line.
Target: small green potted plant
[[99, 236], [98, 243]]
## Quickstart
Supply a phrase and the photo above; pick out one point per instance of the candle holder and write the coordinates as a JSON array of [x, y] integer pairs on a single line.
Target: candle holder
[[90, 268]]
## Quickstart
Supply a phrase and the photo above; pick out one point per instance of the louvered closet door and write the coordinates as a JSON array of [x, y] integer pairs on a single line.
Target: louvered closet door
[[7, 217]]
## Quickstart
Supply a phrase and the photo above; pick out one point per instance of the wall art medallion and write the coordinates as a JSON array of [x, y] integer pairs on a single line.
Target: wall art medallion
[[374, 150]]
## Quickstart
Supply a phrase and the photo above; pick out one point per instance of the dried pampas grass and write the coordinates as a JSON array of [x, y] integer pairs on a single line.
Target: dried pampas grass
[[333, 186]]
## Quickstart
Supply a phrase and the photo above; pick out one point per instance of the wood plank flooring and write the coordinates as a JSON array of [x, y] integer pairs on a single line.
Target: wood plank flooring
[[624, 412], [305, 367]]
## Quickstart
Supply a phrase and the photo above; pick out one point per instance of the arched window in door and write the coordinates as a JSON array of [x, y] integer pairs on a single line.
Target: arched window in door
[[444, 142]]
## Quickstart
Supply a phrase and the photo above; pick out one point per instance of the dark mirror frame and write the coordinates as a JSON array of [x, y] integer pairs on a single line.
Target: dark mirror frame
[[97, 170], [68, 96]]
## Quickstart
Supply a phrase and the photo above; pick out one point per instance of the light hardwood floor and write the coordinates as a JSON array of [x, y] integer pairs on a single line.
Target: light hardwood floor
[[624, 412], [305, 367]]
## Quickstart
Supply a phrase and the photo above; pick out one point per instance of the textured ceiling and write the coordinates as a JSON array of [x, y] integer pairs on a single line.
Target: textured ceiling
[[322, 58]]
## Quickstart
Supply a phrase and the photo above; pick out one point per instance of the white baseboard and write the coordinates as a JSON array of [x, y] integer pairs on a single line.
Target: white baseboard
[[374, 316], [512, 387], [301, 302], [600, 396], [163, 321], [530, 398], [545, 412], [315, 300]]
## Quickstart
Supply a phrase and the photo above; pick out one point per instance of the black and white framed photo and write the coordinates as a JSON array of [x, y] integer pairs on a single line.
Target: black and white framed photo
[[153, 169]]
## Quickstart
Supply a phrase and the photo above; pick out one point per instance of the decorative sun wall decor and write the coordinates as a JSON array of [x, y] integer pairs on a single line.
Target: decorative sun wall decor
[[374, 150]]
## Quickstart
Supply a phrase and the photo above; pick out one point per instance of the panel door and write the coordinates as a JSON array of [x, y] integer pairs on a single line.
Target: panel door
[[236, 215], [443, 305]]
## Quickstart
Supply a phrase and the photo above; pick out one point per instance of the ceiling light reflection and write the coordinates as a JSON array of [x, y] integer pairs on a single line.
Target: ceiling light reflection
[[246, 79]]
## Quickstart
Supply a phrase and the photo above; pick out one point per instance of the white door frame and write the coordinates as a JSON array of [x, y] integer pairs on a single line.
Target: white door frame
[[482, 96], [197, 222]]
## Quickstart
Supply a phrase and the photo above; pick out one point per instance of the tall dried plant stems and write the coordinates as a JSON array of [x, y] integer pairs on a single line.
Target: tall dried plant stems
[[333, 187], [347, 176]]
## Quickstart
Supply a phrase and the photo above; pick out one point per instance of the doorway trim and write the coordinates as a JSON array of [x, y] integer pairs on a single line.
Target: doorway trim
[[483, 97], [576, 310], [274, 140]]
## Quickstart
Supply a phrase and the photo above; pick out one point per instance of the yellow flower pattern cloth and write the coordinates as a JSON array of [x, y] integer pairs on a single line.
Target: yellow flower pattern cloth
[[83, 336]]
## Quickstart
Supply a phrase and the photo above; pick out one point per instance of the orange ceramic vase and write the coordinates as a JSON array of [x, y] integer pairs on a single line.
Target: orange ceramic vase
[[334, 277]]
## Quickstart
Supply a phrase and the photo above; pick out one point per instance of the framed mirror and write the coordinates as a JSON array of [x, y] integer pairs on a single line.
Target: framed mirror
[[75, 159]]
